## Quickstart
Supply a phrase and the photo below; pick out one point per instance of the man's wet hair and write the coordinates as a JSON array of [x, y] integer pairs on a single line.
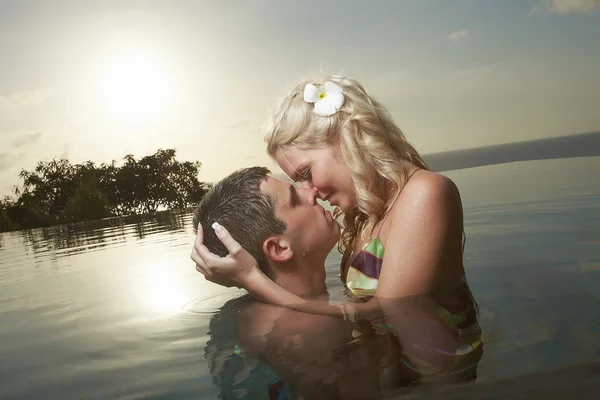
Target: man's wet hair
[[237, 203]]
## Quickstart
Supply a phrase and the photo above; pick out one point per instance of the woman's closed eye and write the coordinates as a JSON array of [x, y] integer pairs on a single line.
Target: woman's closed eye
[[303, 177], [307, 175]]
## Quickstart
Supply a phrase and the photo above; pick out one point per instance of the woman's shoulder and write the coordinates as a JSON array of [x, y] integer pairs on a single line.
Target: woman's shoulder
[[424, 183], [427, 191]]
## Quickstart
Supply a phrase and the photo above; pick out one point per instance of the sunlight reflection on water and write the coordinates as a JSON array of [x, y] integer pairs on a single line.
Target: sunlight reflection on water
[[115, 308]]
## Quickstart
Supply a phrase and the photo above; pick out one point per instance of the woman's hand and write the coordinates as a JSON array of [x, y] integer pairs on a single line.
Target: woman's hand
[[236, 269]]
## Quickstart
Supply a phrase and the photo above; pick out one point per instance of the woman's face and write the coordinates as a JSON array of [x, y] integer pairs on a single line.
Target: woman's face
[[323, 169]]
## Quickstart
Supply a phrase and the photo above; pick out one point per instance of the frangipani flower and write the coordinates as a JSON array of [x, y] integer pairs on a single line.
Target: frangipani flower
[[328, 98]]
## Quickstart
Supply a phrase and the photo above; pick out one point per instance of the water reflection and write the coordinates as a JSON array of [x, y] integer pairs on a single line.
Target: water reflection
[[259, 351], [90, 235], [114, 308], [162, 290], [206, 307], [48, 249], [95, 320]]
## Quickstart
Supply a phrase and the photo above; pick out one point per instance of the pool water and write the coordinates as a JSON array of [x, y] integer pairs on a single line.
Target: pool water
[[115, 309]]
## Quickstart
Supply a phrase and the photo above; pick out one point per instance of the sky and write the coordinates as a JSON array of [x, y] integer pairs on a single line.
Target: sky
[[91, 80]]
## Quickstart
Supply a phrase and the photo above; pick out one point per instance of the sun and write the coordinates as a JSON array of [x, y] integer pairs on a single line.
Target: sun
[[135, 87]]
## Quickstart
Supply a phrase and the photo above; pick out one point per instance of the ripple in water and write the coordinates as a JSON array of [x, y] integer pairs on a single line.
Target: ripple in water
[[206, 307]]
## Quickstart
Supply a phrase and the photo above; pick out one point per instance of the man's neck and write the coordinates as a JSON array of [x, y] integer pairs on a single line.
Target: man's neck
[[303, 278]]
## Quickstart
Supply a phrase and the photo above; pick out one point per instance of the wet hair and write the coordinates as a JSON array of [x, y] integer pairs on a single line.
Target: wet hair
[[237, 203], [371, 144]]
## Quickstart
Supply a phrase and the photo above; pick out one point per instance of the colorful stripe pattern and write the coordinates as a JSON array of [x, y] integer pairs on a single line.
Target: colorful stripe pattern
[[455, 306]]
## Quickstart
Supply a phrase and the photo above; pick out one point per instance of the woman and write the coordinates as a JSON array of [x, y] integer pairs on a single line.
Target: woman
[[402, 237]]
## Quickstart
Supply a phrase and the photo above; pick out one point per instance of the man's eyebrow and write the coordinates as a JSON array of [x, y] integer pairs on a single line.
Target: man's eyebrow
[[294, 198]]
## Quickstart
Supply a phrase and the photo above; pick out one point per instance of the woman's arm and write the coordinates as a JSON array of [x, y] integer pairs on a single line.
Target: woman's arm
[[264, 289], [423, 255], [423, 252], [240, 269]]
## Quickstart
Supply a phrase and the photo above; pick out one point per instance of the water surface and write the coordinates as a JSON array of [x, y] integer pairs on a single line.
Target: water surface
[[115, 309]]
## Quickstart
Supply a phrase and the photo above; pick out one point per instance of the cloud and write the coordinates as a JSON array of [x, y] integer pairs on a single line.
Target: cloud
[[27, 139], [19, 100], [7, 160], [244, 125], [562, 7], [458, 35]]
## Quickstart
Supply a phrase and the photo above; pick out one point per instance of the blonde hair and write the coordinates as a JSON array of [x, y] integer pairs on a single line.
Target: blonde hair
[[371, 144]]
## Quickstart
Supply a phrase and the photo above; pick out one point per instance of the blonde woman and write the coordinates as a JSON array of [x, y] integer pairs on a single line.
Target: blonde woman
[[402, 236]]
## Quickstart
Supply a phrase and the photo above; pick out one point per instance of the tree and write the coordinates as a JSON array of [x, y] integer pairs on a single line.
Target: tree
[[58, 191]]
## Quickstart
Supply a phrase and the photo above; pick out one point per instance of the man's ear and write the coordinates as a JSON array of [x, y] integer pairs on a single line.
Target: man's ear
[[278, 248]]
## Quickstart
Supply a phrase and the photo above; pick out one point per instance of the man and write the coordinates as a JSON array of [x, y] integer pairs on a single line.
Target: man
[[281, 226], [290, 235]]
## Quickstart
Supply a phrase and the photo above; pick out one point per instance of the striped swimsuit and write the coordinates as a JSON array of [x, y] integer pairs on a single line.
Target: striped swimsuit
[[454, 305]]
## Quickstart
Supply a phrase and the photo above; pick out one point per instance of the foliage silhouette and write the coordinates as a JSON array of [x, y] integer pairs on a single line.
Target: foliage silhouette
[[58, 192]]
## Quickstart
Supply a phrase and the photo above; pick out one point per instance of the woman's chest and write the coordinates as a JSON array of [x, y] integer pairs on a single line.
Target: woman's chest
[[357, 246], [365, 260]]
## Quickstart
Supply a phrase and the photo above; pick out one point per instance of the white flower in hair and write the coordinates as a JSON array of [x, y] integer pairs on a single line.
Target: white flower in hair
[[328, 98]]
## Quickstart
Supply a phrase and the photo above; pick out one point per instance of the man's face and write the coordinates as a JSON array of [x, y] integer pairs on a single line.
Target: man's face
[[311, 229]]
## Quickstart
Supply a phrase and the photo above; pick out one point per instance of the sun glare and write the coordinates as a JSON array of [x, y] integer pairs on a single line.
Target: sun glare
[[163, 291], [135, 88]]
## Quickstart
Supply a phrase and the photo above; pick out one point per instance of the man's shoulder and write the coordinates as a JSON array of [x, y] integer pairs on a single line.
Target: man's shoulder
[[255, 323]]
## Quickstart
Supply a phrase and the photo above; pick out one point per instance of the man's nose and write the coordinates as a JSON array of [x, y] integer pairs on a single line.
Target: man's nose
[[310, 194], [307, 184]]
